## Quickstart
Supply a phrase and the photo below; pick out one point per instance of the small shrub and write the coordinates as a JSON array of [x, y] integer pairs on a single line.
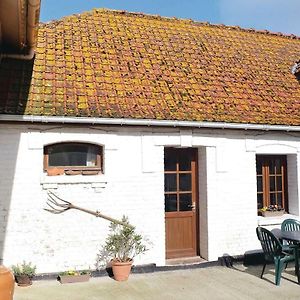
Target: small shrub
[[123, 243], [24, 269]]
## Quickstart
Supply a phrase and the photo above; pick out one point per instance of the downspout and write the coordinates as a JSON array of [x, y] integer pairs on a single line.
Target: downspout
[[32, 19], [33, 15]]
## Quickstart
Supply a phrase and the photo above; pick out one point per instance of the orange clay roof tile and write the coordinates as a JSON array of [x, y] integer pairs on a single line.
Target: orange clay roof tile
[[126, 65]]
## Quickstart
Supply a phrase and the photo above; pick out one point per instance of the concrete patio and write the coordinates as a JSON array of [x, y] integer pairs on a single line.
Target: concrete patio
[[217, 282]]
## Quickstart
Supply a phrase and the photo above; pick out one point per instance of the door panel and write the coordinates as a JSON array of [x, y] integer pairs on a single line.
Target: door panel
[[181, 202]]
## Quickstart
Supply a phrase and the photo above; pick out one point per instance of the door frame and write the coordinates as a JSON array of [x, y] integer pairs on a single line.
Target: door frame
[[195, 192]]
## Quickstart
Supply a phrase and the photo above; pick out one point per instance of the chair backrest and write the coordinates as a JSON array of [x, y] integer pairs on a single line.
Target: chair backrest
[[290, 225], [269, 243]]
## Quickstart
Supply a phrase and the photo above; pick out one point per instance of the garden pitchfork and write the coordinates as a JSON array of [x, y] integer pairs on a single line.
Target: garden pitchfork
[[58, 206]]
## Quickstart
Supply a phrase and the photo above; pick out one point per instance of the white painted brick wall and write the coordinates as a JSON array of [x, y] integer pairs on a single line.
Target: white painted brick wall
[[203, 190], [292, 167], [232, 203], [72, 240], [132, 185]]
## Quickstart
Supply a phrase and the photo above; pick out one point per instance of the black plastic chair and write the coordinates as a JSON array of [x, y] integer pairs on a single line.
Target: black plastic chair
[[273, 252], [290, 225]]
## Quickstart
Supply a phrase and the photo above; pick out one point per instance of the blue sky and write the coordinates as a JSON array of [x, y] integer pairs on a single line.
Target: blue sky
[[274, 15]]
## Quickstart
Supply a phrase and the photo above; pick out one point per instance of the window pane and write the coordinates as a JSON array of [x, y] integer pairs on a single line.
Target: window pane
[[72, 155], [278, 164], [185, 202], [272, 183], [279, 183], [259, 201], [170, 183], [91, 157], [258, 166], [170, 160], [170, 203], [279, 199], [272, 199], [185, 161], [259, 184], [185, 182], [271, 166]]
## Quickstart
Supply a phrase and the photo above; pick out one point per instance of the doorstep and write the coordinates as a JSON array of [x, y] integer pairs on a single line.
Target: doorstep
[[185, 261]]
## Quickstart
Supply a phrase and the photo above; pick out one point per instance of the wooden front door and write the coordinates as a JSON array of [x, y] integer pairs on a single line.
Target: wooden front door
[[181, 202]]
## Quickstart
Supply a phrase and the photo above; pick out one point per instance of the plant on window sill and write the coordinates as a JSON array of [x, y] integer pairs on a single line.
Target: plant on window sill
[[271, 211]]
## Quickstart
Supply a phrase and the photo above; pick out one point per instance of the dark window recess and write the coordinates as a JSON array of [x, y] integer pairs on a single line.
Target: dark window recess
[[271, 176], [72, 159]]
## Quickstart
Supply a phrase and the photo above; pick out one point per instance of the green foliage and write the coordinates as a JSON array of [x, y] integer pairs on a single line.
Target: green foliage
[[123, 243], [272, 208], [24, 269], [85, 272], [75, 273]]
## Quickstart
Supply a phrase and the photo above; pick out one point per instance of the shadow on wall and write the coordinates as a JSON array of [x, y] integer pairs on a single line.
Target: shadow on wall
[[15, 81]]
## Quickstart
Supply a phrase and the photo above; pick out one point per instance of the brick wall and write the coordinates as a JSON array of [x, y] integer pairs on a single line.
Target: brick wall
[[133, 184], [293, 183]]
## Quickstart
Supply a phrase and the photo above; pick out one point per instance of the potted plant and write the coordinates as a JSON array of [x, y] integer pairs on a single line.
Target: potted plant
[[122, 245], [24, 273], [72, 276], [271, 211]]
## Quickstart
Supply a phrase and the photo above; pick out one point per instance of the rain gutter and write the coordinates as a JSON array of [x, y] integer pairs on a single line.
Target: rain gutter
[[144, 122], [30, 31]]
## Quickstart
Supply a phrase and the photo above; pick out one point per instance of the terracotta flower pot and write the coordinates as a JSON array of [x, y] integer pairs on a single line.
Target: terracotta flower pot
[[72, 172], [7, 284], [23, 280], [55, 171], [121, 270]]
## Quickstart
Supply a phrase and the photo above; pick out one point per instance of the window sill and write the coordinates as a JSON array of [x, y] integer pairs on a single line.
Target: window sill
[[266, 221], [73, 171], [97, 182]]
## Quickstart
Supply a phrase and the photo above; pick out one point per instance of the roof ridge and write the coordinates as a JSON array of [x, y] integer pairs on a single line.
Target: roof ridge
[[191, 21]]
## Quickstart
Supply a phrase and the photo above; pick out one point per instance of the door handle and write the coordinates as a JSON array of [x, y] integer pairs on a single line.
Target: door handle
[[192, 206]]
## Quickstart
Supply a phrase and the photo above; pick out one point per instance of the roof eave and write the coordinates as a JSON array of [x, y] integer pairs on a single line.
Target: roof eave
[[145, 122]]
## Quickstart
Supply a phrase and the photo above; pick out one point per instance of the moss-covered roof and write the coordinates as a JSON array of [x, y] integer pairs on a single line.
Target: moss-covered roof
[[116, 64]]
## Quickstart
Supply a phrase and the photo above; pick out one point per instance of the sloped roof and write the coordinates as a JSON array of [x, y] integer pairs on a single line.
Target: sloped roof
[[113, 64]]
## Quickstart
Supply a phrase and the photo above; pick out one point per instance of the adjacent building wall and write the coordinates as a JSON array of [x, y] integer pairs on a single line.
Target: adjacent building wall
[[132, 184]]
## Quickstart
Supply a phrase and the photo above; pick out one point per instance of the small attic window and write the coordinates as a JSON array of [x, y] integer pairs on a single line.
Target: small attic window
[[296, 68], [73, 159]]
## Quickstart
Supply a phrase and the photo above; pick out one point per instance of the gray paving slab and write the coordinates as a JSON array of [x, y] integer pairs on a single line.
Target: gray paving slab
[[210, 283]]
